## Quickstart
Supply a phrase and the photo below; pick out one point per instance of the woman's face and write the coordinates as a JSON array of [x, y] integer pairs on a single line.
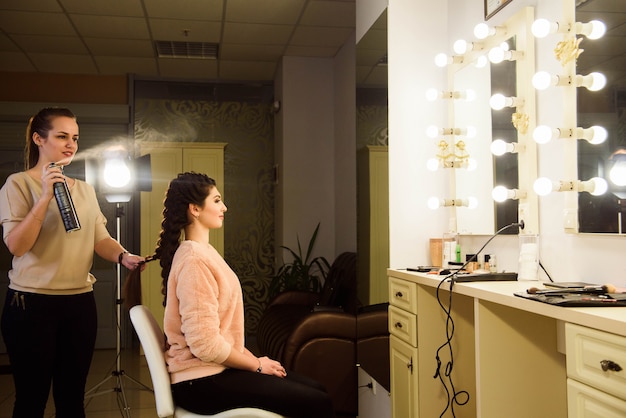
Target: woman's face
[[62, 142], [211, 214]]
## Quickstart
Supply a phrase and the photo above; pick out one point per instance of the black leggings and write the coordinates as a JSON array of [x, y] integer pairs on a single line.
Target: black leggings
[[50, 340], [294, 396]]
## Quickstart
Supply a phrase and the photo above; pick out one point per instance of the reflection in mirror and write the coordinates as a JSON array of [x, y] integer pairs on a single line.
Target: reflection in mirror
[[607, 108], [503, 81], [372, 164]]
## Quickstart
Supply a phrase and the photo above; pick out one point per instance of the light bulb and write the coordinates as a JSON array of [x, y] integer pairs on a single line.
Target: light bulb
[[432, 94], [498, 147], [470, 95], [543, 186], [542, 28], [472, 164], [432, 131], [594, 81], [460, 47], [594, 29], [470, 131], [481, 62], [617, 174], [500, 193], [497, 101], [600, 186], [472, 202], [434, 203], [116, 172], [481, 31], [598, 135], [496, 55], [432, 164], [542, 80], [543, 134], [441, 60]]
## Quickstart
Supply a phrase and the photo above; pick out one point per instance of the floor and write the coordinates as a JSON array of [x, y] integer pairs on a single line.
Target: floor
[[104, 403]]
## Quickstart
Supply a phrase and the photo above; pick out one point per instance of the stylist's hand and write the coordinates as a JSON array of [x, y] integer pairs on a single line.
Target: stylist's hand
[[272, 367], [132, 261]]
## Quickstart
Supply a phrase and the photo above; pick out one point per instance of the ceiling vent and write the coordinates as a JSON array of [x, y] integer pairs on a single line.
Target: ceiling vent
[[189, 50]]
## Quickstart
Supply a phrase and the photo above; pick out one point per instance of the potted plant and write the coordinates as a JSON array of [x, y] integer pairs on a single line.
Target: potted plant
[[303, 272]]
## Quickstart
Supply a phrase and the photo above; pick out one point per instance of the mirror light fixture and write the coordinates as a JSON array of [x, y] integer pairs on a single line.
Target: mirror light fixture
[[435, 203], [499, 101], [594, 29], [617, 173], [593, 82], [501, 193], [442, 60], [596, 186], [498, 54], [500, 147], [434, 94], [461, 46], [434, 131], [594, 135], [483, 31]]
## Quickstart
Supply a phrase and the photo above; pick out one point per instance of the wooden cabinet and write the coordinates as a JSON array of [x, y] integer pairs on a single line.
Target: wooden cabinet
[[596, 383], [507, 356], [167, 160], [403, 348], [373, 224]]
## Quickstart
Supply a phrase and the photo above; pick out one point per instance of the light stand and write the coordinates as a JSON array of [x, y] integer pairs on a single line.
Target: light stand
[[118, 373]]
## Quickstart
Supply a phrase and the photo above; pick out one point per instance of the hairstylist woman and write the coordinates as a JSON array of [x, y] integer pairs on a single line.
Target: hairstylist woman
[[49, 319], [210, 368]]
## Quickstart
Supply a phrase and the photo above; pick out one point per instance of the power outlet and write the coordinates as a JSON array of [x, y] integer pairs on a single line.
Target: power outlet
[[570, 219], [522, 212]]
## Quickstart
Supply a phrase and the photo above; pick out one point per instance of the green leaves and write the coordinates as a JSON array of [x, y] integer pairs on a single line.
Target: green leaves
[[302, 273]]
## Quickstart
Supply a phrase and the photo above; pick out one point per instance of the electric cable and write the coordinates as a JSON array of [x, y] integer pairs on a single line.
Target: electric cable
[[453, 396]]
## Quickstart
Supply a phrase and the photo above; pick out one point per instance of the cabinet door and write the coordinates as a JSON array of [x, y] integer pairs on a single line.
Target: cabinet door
[[403, 359]]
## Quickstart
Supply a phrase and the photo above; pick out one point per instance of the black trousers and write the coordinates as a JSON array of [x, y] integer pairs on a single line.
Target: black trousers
[[294, 396], [50, 341]]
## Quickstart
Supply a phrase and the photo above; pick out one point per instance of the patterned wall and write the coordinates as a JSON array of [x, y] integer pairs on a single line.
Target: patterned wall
[[247, 126]]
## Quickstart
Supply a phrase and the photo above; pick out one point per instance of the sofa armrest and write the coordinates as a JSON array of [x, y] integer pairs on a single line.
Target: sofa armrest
[[319, 325], [295, 297]]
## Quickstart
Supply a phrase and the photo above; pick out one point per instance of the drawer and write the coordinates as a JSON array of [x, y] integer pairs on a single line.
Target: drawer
[[403, 325], [588, 350], [586, 402], [403, 294]]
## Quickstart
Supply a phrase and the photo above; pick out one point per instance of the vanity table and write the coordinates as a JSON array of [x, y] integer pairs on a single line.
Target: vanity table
[[511, 357]]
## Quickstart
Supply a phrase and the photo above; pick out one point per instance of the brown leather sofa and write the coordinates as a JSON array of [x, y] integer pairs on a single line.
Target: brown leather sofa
[[322, 335]]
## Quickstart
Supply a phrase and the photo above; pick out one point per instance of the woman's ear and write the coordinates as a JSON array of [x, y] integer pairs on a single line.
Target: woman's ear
[[194, 211]]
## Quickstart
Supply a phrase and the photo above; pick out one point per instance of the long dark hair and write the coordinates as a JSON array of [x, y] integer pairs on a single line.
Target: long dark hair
[[185, 189], [41, 123]]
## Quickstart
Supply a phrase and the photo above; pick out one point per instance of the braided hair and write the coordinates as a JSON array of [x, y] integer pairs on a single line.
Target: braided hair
[[187, 188]]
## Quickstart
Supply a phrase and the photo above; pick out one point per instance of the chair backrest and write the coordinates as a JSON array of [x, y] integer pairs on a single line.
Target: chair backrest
[[153, 343], [340, 286]]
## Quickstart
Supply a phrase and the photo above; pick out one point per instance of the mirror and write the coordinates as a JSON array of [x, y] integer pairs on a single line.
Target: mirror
[[510, 78], [607, 108]]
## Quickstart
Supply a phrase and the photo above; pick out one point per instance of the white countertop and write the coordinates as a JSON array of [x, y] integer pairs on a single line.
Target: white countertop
[[609, 319]]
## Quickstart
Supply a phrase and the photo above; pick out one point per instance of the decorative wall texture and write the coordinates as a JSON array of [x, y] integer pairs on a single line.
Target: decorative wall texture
[[247, 126]]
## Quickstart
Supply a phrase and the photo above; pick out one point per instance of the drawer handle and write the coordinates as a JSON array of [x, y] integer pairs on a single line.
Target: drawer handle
[[610, 365], [398, 325], [399, 294]]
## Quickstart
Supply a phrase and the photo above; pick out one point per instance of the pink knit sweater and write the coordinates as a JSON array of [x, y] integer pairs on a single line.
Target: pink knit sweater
[[204, 318]]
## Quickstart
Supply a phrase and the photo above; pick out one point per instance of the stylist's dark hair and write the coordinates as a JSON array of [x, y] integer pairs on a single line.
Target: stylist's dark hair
[[187, 188], [41, 123]]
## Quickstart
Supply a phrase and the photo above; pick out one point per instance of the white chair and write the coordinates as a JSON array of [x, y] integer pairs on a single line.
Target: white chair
[[153, 343]]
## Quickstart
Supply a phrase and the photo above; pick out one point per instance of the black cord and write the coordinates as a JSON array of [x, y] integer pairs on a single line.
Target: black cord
[[453, 396], [545, 271]]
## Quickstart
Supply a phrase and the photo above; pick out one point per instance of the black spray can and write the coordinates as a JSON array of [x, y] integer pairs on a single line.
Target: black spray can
[[66, 205]]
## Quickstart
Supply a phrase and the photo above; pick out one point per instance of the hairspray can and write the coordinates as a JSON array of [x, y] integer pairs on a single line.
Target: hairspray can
[[65, 203]]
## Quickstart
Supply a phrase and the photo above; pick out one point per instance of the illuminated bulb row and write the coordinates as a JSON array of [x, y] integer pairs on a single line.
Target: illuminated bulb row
[[468, 95], [594, 29], [500, 147], [594, 135], [434, 164], [596, 186], [593, 81], [499, 101], [435, 202], [434, 131]]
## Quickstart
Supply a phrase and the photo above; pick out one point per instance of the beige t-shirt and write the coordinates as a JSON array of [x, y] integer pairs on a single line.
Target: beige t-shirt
[[59, 262]]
